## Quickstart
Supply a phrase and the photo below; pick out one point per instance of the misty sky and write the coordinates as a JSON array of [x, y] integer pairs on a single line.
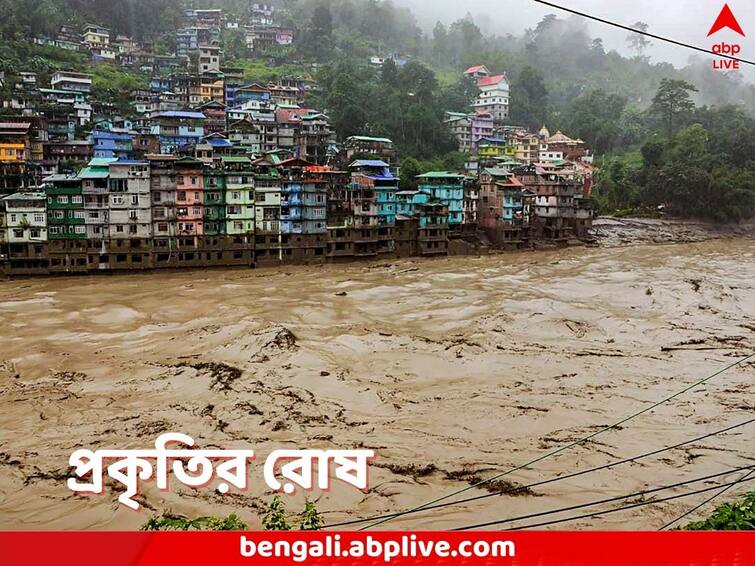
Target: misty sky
[[683, 20]]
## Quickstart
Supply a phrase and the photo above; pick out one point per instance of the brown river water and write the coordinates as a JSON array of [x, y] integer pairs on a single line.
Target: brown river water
[[451, 370]]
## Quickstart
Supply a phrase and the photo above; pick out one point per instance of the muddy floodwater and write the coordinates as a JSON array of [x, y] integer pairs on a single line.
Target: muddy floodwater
[[451, 370]]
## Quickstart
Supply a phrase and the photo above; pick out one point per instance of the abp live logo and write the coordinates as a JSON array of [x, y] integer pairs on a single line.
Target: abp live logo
[[726, 19]]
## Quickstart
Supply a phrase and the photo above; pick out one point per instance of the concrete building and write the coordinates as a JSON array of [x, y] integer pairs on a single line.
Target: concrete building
[[447, 188], [70, 81], [26, 232], [494, 97]]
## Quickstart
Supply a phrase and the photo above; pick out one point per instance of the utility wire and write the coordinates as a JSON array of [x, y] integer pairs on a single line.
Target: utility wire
[[566, 446], [518, 489], [607, 511], [704, 503], [654, 36]]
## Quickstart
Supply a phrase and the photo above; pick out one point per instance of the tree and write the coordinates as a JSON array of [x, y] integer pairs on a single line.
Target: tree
[[310, 519], [275, 519], [595, 117], [638, 42], [529, 99], [169, 522], [410, 168], [439, 42], [672, 101]]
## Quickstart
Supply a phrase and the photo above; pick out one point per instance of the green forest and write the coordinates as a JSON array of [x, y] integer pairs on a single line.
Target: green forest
[[669, 139]]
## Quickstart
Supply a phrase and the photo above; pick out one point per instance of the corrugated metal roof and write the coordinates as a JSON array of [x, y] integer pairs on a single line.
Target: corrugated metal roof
[[369, 163]]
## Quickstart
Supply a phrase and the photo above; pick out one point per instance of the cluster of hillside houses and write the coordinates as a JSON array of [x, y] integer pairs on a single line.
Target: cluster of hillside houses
[[209, 171]]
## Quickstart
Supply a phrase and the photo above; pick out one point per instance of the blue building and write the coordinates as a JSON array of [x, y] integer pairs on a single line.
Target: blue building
[[303, 199], [385, 185], [448, 189], [112, 144], [178, 129]]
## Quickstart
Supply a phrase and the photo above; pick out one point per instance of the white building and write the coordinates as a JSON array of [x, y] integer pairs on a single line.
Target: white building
[[130, 204], [494, 97], [209, 59], [25, 218]]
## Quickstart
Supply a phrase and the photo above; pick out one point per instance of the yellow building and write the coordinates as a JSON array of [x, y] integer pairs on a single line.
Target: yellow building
[[12, 152]]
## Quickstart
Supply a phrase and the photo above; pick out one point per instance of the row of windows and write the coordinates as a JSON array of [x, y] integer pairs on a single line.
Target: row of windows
[[39, 218], [67, 229]]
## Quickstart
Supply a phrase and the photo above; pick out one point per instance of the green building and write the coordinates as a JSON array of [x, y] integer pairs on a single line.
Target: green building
[[214, 201], [239, 211], [66, 214]]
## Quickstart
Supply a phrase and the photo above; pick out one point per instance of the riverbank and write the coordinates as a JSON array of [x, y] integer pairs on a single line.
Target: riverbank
[[610, 231], [452, 370]]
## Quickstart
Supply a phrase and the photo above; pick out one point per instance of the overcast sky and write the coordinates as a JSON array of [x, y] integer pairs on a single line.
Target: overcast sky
[[684, 20]]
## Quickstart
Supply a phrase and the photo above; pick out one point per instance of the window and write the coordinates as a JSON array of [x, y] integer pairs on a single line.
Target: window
[[80, 229], [18, 233], [237, 195], [77, 199], [162, 227], [135, 199], [119, 228], [94, 214], [62, 199], [132, 229], [78, 214], [181, 195], [117, 199], [132, 214], [58, 214], [34, 233]]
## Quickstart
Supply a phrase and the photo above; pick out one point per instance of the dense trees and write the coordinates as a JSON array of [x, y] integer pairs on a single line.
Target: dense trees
[[401, 103], [705, 172]]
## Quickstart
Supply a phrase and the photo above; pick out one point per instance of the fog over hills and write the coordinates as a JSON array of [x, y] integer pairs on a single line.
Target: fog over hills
[[683, 20]]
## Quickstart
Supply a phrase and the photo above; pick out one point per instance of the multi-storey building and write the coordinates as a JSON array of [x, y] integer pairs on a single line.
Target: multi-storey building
[[15, 141], [209, 58], [95, 189], [68, 80], [313, 137], [26, 232], [178, 129], [215, 116], [96, 37], [268, 248], [554, 209], [494, 97], [66, 219], [190, 200], [447, 188], [163, 181], [112, 144], [214, 196]]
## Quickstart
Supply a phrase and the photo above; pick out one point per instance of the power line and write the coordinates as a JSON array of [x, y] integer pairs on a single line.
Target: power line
[[615, 510], [654, 36], [601, 501], [517, 489], [627, 507], [704, 503], [565, 447]]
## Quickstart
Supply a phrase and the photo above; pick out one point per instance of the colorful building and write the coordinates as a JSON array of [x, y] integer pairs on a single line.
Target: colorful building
[[189, 198], [447, 188]]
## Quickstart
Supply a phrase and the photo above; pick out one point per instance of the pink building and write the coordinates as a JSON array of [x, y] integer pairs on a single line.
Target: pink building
[[189, 197], [481, 127]]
